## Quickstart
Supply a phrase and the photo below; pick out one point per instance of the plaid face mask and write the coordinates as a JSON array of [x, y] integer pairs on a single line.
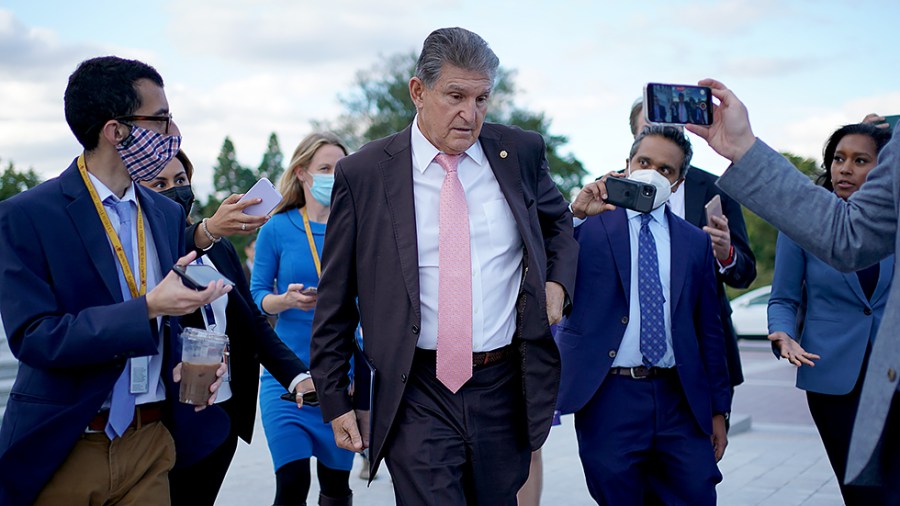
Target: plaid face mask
[[146, 153]]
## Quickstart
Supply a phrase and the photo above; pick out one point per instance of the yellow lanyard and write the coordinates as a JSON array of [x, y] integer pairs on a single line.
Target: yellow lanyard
[[114, 238], [312, 243]]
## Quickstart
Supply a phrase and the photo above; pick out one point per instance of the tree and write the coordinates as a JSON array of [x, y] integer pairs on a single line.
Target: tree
[[229, 176], [763, 236], [380, 105], [13, 182], [271, 165]]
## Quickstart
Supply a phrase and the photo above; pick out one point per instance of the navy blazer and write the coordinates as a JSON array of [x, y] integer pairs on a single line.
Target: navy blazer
[[72, 332], [840, 321], [590, 336], [699, 188], [371, 253]]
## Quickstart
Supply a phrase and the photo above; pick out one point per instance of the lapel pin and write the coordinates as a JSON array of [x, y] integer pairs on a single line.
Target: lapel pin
[[503, 154]]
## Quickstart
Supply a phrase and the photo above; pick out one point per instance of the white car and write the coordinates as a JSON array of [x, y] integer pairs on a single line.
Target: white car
[[749, 313]]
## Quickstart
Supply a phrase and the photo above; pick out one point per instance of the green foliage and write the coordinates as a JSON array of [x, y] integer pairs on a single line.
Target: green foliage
[[379, 105], [13, 182], [763, 236], [229, 176], [271, 166]]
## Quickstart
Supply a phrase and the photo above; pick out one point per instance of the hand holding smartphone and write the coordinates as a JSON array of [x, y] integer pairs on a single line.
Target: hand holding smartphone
[[265, 190], [199, 277], [310, 398]]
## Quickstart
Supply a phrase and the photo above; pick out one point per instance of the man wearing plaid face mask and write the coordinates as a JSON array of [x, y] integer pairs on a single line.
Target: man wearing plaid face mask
[[89, 304]]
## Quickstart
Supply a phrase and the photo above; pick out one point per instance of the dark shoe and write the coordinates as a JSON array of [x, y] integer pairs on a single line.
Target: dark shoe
[[324, 500]]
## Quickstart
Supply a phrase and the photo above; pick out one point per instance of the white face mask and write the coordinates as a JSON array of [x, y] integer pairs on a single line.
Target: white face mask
[[651, 177]]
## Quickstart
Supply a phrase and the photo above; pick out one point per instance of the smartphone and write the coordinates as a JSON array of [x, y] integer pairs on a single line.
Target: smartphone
[[678, 104], [630, 194], [713, 208], [265, 190], [891, 120], [309, 398], [199, 277], [310, 290]]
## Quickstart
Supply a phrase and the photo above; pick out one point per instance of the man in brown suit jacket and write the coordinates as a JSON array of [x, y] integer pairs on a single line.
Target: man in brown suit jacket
[[381, 267]]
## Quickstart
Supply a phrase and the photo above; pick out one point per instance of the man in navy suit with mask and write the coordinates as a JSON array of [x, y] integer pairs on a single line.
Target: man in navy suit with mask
[[643, 365], [87, 297]]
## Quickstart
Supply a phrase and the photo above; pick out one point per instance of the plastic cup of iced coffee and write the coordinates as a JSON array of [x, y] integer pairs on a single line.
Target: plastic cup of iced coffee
[[201, 354]]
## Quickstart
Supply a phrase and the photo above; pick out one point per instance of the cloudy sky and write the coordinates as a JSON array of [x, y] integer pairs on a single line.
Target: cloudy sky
[[247, 68]]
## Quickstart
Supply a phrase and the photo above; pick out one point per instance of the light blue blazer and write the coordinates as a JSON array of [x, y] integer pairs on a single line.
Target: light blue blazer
[[840, 321]]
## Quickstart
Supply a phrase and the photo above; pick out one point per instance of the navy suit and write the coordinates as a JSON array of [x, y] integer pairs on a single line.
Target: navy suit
[[590, 337], [72, 332]]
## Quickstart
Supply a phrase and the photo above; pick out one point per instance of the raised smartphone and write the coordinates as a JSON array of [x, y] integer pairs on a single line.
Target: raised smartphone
[[265, 190], [678, 104], [630, 194]]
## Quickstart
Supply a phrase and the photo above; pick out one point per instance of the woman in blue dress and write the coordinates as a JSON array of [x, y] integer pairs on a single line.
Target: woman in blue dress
[[285, 273]]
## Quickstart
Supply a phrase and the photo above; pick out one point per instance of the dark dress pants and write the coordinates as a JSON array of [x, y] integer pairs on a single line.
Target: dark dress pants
[[834, 416], [465, 448], [636, 435], [199, 483]]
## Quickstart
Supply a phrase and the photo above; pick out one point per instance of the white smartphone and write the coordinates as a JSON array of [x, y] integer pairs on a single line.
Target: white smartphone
[[713, 208], [265, 190]]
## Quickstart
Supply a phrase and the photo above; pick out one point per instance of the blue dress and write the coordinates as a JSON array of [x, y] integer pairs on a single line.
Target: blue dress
[[283, 257]]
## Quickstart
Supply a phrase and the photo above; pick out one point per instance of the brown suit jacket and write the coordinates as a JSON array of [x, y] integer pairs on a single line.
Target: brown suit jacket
[[370, 273]]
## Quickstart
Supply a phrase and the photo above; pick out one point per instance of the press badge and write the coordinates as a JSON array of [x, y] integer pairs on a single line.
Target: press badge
[[140, 367]]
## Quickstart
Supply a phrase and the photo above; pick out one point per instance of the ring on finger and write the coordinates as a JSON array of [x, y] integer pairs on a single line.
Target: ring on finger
[[244, 227]]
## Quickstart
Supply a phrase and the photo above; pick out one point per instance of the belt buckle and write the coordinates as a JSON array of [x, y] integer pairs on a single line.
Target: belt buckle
[[639, 376]]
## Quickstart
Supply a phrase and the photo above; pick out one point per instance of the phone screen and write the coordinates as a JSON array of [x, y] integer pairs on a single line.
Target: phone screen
[[678, 104], [892, 120]]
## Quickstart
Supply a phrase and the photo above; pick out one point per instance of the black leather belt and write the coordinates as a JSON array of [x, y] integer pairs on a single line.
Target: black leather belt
[[479, 359], [641, 372]]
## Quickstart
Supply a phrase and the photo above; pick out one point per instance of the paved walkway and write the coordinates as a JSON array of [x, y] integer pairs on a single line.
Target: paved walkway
[[774, 458]]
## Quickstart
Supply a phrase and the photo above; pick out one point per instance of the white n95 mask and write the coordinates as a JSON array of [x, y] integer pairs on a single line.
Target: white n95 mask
[[651, 177]]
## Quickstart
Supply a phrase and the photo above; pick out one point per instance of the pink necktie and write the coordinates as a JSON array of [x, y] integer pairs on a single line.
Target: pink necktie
[[454, 346]]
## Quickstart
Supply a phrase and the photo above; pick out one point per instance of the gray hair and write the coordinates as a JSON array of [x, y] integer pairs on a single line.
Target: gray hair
[[458, 47], [675, 135]]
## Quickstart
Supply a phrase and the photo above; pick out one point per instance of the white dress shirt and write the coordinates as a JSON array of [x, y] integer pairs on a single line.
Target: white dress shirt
[[676, 201], [219, 307], [157, 390], [496, 246], [629, 354]]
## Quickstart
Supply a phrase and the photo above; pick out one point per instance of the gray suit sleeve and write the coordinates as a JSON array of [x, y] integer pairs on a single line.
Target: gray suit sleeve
[[848, 235]]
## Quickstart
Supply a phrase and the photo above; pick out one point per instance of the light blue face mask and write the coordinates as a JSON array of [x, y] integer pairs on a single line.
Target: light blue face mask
[[321, 188]]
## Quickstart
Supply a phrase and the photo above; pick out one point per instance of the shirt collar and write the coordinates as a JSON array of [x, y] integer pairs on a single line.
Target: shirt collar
[[658, 214], [423, 150], [103, 192]]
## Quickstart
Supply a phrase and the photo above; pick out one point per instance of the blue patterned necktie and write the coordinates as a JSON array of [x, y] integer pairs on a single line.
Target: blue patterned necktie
[[653, 333], [121, 409]]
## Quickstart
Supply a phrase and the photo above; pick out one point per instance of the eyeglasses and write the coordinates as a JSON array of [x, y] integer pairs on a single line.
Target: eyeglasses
[[165, 118]]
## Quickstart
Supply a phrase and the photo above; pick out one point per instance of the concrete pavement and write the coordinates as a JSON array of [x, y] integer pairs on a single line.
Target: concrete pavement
[[774, 458]]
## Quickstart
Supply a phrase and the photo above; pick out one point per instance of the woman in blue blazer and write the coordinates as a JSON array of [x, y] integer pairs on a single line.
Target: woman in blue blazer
[[840, 314]]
